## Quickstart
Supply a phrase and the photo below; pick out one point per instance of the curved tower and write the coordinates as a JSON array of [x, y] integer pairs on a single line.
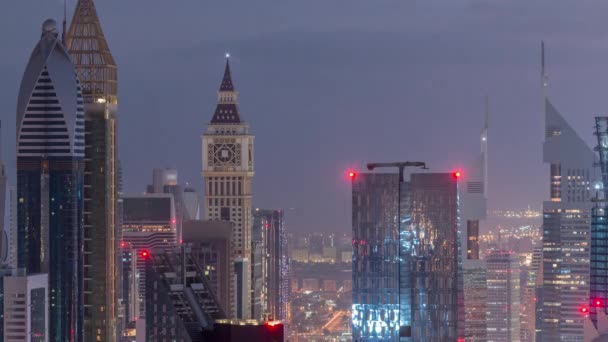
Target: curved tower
[[50, 170], [97, 73], [228, 175]]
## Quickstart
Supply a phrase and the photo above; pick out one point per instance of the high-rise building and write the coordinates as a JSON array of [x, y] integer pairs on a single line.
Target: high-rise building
[[26, 307], [179, 301], [191, 205], [473, 209], [50, 177], [475, 298], [210, 242], [598, 282], [259, 290], [227, 152], [565, 229], [12, 228], [97, 73], [405, 276], [503, 297], [276, 280], [148, 223], [4, 231]]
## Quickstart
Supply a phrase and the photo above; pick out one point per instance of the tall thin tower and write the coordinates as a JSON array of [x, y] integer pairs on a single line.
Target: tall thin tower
[[50, 176], [228, 175], [97, 72], [566, 227]]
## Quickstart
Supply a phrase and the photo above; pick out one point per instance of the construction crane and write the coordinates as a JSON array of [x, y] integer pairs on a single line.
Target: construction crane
[[400, 165]]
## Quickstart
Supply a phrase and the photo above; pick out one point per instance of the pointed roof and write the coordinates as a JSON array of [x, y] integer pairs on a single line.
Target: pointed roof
[[227, 110], [91, 54], [227, 80]]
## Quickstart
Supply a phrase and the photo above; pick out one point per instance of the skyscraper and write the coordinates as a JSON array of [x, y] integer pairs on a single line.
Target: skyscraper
[[50, 176], [503, 297], [4, 231], [566, 229], [148, 223], [97, 73], [228, 172], [276, 261], [473, 203], [405, 276]]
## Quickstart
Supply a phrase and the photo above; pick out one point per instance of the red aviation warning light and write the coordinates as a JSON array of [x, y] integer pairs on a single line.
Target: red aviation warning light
[[352, 175], [583, 309], [145, 254], [457, 174], [597, 302]]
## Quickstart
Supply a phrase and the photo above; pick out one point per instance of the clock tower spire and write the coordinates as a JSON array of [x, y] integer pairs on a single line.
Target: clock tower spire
[[227, 155]]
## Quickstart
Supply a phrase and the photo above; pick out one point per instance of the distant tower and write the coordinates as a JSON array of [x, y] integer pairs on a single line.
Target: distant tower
[[228, 171], [50, 177], [566, 227], [4, 230], [97, 72], [503, 296]]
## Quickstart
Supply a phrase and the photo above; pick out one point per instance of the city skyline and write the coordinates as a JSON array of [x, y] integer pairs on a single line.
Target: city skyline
[[333, 124]]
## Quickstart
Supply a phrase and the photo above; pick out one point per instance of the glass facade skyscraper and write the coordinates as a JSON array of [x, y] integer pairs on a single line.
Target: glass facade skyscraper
[[50, 176], [406, 265]]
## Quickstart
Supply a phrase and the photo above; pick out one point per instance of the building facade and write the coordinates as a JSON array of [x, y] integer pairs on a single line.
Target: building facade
[[276, 262], [148, 223], [211, 244], [503, 305], [228, 169], [97, 73], [50, 177], [405, 284], [26, 308]]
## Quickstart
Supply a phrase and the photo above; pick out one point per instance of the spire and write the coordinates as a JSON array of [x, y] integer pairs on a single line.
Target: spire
[[543, 72], [227, 80], [227, 111], [90, 53]]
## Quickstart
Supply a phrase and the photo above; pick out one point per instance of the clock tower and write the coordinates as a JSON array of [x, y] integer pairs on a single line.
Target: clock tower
[[227, 148]]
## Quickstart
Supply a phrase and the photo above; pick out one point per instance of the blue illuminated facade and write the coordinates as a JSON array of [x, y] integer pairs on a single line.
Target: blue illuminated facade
[[406, 268]]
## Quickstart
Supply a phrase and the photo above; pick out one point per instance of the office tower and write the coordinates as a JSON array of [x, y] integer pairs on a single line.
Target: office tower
[[503, 297], [186, 199], [50, 175], [191, 205], [148, 223], [97, 73], [179, 301], [598, 291], [276, 262], [473, 202], [130, 285], [4, 231], [12, 228], [242, 272], [405, 276], [475, 298], [26, 307], [210, 243], [258, 288], [228, 172], [566, 229]]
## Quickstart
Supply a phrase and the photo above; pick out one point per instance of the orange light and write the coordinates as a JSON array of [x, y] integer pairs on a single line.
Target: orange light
[[272, 323]]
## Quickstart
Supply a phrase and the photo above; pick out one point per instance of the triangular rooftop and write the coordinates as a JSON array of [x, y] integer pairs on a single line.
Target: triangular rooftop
[[227, 110], [91, 54]]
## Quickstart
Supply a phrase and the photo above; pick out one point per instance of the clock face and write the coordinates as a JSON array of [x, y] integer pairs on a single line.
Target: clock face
[[226, 154]]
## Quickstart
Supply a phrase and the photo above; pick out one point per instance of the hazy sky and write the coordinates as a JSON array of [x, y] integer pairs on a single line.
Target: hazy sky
[[328, 85]]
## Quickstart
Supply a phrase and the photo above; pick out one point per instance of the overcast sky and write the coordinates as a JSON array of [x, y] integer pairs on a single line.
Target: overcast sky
[[329, 85]]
